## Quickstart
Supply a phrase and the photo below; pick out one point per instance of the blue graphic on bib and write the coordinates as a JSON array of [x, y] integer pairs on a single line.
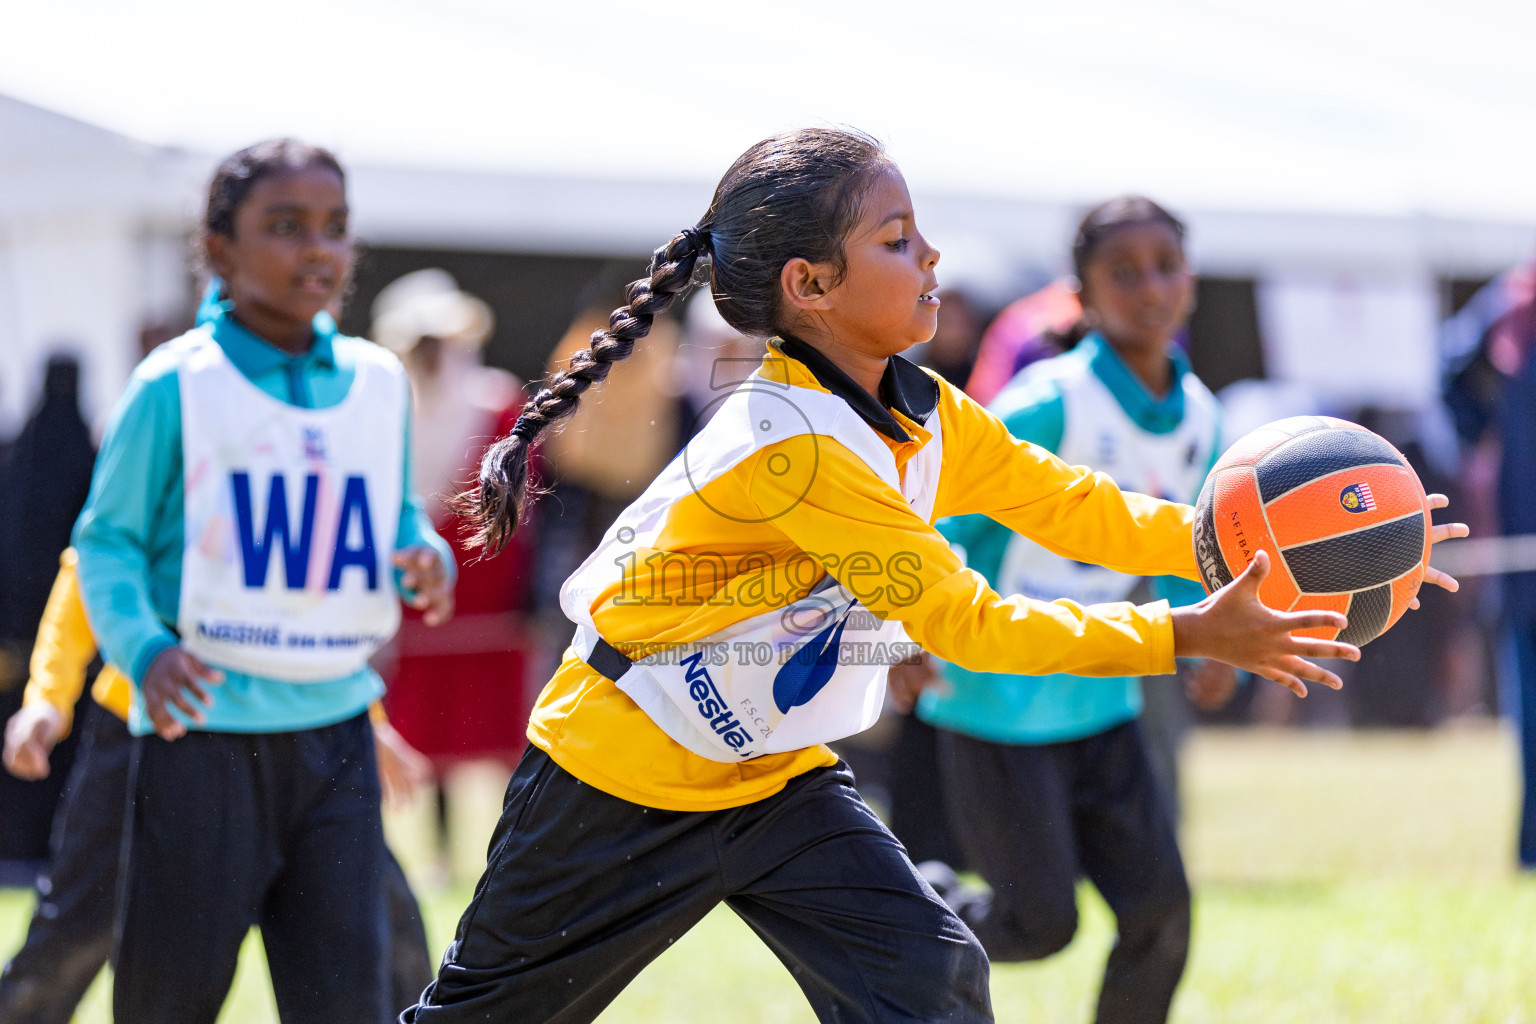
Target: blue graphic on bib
[[354, 501], [256, 555], [803, 676]]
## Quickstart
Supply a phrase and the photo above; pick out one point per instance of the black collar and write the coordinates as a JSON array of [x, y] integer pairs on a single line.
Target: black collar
[[904, 386]]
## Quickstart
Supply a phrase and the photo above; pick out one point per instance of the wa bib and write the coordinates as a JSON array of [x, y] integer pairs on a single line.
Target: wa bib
[[291, 516], [1099, 433]]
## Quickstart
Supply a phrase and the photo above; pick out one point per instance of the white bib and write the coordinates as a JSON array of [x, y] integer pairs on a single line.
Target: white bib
[[788, 677], [1099, 433], [291, 516]]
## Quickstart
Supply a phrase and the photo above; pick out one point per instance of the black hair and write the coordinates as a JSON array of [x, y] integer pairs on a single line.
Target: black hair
[[239, 173], [792, 195], [1097, 225]]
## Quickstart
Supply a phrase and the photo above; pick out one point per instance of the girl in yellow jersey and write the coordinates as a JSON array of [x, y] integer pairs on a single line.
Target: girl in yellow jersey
[[741, 613], [70, 935]]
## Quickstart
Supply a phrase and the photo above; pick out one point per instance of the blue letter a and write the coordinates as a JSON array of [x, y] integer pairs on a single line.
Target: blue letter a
[[354, 500], [257, 555]]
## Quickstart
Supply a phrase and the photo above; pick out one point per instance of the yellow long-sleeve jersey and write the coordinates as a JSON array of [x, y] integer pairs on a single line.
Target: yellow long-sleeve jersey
[[64, 650], [792, 511], [66, 646]]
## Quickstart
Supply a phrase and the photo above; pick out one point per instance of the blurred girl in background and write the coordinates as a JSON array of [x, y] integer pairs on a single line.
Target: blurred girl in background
[[1049, 777], [249, 524]]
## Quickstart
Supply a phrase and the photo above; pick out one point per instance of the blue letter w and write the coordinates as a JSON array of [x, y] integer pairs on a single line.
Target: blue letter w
[[257, 554]]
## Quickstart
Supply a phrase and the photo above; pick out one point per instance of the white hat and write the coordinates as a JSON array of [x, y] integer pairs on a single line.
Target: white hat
[[428, 304]]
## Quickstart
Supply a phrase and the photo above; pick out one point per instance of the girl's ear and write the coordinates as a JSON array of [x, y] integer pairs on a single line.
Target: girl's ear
[[806, 285], [216, 246], [1088, 316]]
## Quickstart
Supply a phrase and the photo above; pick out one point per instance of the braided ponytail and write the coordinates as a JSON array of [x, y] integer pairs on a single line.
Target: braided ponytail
[[495, 506], [791, 195]]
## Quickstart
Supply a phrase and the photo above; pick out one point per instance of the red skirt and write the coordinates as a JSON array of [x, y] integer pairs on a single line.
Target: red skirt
[[459, 690]]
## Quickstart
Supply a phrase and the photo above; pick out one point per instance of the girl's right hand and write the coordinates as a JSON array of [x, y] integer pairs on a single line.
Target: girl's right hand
[[30, 736], [907, 680], [1233, 626], [173, 675]]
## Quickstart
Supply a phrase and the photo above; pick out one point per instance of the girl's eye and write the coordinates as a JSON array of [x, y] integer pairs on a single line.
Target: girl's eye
[[1125, 277], [336, 229], [286, 226], [899, 245]]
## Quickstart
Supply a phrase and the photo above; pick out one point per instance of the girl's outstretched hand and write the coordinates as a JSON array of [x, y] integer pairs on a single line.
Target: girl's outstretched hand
[[1233, 626], [1445, 531]]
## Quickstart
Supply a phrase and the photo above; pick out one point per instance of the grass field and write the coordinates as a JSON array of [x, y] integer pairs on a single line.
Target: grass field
[[1339, 878]]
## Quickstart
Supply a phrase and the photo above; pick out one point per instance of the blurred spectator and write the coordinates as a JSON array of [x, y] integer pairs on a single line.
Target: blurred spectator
[[45, 475], [625, 430], [1024, 332], [712, 359], [457, 691], [954, 346], [1488, 353]]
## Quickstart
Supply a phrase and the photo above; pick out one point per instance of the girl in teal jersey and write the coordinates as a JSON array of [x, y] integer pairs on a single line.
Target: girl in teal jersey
[[247, 527], [1049, 777]]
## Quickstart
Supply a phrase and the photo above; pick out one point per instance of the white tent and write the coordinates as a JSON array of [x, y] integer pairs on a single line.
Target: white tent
[[91, 229], [1346, 154]]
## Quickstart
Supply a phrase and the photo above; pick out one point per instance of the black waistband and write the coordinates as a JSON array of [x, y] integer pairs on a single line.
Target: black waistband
[[608, 660]]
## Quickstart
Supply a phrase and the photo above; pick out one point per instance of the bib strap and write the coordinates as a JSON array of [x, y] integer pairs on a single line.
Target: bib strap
[[607, 660]]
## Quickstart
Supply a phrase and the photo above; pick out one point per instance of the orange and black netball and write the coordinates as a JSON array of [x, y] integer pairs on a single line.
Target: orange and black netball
[[1343, 516]]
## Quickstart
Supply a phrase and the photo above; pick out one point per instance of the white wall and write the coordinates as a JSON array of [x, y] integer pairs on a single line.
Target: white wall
[[80, 284], [92, 247], [1337, 290], [1351, 338]]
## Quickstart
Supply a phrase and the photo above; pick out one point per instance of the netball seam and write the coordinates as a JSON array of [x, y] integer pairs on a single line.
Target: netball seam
[[1264, 511], [1309, 483], [1351, 593], [1346, 533]]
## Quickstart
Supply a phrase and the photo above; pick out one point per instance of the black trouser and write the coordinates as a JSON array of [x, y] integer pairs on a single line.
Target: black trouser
[[281, 830], [410, 964], [582, 890], [71, 930], [920, 815], [70, 935], [1034, 818]]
